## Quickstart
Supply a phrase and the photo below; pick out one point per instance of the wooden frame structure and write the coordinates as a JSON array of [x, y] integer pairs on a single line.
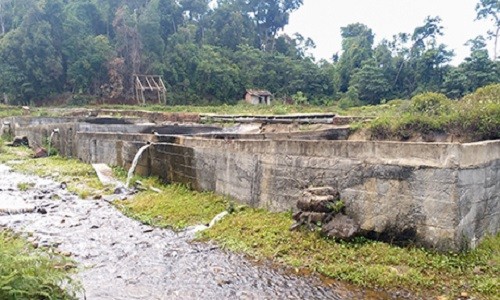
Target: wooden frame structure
[[152, 83]]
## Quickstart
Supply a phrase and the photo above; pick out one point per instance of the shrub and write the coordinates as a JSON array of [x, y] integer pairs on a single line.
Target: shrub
[[380, 128], [430, 104], [489, 94], [28, 273]]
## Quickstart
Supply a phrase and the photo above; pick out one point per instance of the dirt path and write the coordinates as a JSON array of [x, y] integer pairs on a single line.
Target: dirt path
[[120, 258]]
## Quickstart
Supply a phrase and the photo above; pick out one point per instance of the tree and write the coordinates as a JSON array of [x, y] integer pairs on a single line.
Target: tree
[[230, 28], [370, 83], [357, 42], [479, 69], [31, 56], [269, 16], [489, 9], [128, 44]]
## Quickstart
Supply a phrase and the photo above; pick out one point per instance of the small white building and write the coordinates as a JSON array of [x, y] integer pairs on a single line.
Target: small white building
[[258, 97]]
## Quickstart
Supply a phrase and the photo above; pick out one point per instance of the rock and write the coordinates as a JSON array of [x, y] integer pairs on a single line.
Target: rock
[[296, 226], [323, 191], [120, 190], [40, 152], [41, 210], [314, 217], [63, 185], [26, 110], [341, 227], [20, 141], [317, 204], [296, 216], [156, 190]]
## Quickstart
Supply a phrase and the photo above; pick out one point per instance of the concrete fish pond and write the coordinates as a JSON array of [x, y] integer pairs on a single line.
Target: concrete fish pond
[[120, 258], [442, 196]]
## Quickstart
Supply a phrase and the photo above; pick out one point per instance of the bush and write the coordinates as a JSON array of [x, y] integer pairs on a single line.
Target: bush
[[380, 128], [430, 104], [489, 94], [28, 273]]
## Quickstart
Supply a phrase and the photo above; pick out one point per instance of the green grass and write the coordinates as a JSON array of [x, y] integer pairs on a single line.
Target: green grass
[[24, 186], [240, 108], [474, 118], [29, 273], [266, 235], [79, 177], [175, 207], [14, 111]]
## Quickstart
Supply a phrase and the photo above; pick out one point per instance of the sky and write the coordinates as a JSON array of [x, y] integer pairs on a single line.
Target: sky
[[321, 20]]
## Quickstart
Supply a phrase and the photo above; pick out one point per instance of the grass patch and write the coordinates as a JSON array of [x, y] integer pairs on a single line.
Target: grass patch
[[79, 177], [29, 273], [266, 235], [175, 207], [24, 186], [474, 118]]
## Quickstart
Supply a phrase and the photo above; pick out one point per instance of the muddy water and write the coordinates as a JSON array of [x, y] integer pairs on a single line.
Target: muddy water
[[120, 258]]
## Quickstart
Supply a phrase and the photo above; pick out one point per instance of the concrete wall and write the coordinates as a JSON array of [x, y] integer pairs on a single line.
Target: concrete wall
[[441, 195], [419, 191]]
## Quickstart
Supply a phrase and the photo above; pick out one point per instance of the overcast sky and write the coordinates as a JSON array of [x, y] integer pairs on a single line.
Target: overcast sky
[[321, 20]]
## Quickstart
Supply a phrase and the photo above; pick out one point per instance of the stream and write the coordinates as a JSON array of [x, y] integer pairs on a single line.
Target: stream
[[120, 258]]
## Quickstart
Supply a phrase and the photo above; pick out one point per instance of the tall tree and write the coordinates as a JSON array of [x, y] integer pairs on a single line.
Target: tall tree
[[269, 16], [357, 43], [490, 9], [31, 56], [370, 82]]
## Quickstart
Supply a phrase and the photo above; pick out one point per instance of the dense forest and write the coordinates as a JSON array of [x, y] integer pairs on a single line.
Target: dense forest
[[209, 52]]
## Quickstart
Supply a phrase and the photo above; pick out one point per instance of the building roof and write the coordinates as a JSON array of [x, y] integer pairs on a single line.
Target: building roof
[[259, 93]]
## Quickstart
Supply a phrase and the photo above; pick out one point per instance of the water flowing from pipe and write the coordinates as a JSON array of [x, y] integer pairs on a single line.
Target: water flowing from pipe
[[134, 164], [50, 142]]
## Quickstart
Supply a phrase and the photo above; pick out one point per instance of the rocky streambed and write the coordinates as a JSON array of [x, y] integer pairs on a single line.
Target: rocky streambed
[[120, 258]]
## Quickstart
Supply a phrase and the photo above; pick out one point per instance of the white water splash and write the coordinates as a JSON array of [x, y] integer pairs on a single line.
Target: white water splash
[[216, 219], [50, 139], [134, 164]]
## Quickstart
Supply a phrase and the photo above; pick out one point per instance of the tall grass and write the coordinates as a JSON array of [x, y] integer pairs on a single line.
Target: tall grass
[[474, 118], [29, 273]]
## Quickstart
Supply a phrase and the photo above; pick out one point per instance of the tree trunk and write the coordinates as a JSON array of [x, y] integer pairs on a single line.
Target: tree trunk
[[495, 57], [2, 22]]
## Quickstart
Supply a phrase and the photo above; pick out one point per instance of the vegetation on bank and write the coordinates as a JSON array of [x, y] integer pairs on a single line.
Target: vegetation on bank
[[79, 177], [475, 117], [30, 273], [266, 236], [366, 263]]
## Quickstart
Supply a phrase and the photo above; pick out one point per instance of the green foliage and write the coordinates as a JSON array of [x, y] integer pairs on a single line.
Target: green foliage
[[266, 235], [176, 207], [476, 117], [29, 273], [24, 186], [299, 98], [211, 55], [431, 104]]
